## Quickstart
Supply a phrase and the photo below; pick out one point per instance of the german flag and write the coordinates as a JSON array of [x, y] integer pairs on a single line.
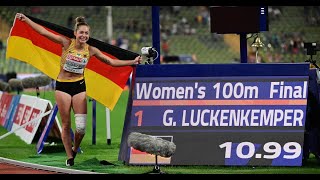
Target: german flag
[[104, 82]]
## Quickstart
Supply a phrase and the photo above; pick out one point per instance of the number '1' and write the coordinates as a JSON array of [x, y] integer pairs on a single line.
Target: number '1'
[[139, 115]]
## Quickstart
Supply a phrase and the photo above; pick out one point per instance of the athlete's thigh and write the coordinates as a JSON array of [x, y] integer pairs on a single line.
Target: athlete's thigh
[[63, 101], [79, 103]]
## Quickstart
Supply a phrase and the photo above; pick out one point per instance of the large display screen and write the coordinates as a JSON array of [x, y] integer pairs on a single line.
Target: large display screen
[[224, 120]]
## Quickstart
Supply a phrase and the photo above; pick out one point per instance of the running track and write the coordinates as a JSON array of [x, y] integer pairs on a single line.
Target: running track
[[8, 166]]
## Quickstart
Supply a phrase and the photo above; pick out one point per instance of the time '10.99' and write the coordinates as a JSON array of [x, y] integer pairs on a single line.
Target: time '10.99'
[[271, 150]]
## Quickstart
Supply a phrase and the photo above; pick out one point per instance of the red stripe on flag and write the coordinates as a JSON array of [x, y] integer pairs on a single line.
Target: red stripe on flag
[[117, 74]]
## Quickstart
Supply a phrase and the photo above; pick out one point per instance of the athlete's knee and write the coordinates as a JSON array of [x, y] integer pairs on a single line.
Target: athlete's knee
[[81, 122]]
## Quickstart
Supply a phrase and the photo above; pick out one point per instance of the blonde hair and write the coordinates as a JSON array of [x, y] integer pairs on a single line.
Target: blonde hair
[[80, 21]]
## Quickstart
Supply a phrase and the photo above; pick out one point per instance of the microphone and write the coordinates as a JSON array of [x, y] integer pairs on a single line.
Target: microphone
[[4, 86], [151, 144], [15, 83], [31, 82]]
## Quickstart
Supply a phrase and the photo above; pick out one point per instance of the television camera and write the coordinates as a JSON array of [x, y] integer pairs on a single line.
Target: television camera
[[311, 49], [151, 54]]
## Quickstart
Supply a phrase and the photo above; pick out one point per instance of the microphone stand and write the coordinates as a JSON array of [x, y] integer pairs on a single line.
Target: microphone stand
[[156, 168], [38, 91]]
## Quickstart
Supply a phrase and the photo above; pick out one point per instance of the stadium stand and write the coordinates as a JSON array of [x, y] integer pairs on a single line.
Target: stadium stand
[[186, 29]]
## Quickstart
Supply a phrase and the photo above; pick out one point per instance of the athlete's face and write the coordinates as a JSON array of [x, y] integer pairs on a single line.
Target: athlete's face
[[82, 34]]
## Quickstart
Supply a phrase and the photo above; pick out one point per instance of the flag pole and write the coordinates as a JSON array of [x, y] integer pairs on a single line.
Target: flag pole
[[108, 126], [94, 121]]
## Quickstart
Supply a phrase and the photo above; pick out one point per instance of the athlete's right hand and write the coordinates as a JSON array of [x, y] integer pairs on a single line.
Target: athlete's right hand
[[21, 17]]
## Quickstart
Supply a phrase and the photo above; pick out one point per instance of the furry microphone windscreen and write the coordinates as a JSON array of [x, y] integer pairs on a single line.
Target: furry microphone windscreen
[[4, 86], [38, 81], [15, 83], [151, 144]]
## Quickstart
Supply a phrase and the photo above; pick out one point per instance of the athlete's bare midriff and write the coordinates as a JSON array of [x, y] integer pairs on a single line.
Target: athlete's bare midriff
[[65, 75]]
